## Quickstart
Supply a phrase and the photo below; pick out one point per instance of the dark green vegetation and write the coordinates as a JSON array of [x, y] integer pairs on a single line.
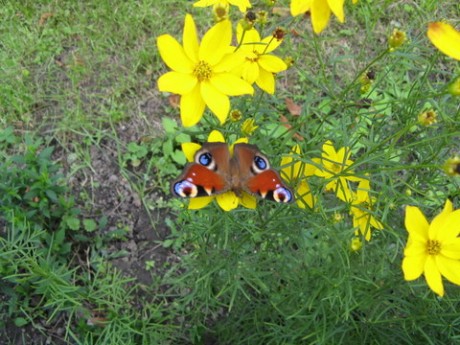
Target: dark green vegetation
[[94, 251]]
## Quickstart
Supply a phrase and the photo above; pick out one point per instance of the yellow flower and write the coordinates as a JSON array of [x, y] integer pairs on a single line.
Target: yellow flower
[[428, 117], [236, 115], [228, 200], [241, 4], [259, 65], [356, 244], [335, 165], [452, 166], [433, 249], [454, 87], [200, 73], [361, 210], [220, 11], [248, 127], [320, 11], [396, 39], [297, 172], [445, 38]]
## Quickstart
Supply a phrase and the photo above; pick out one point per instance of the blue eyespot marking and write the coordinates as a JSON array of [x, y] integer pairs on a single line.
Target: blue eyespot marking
[[282, 194], [261, 164], [185, 189], [205, 159]]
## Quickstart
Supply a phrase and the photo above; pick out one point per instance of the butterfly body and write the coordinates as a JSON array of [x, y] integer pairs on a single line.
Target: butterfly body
[[216, 171]]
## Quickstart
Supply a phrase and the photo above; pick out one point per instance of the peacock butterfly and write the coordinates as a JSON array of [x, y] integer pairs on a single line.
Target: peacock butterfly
[[216, 171]]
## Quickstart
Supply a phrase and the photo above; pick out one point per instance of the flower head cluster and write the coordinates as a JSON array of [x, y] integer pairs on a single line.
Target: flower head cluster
[[362, 211], [396, 39], [427, 117], [336, 167], [201, 73], [433, 249], [452, 166], [259, 65]]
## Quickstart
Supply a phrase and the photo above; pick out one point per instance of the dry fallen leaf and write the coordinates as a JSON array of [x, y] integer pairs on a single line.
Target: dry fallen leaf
[[286, 124], [44, 18], [174, 101], [294, 109]]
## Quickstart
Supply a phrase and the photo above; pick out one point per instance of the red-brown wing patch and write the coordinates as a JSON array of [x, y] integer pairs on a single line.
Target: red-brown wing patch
[[204, 178]]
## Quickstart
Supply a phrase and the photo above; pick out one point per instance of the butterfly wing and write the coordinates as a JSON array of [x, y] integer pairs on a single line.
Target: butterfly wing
[[256, 175], [207, 175]]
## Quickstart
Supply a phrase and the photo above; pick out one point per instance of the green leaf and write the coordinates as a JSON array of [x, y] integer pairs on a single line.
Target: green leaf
[[20, 321], [89, 224], [179, 157], [183, 138], [169, 125], [73, 223], [133, 147], [167, 148], [51, 194]]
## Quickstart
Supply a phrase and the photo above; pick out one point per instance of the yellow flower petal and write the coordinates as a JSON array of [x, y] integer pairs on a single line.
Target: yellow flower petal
[[450, 229], [215, 42], [250, 71], [229, 84], [216, 137], [197, 203], [341, 189], [266, 81], [176, 82], [217, 102], [415, 248], [190, 38], [304, 195], [416, 224], [433, 276], [192, 107], [300, 6], [189, 150], [230, 62], [445, 38], [413, 267], [310, 169], [248, 200], [247, 38], [320, 14], [449, 268], [173, 54], [227, 201], [438, 221], [451, 249], [336, 7], [269, 45], [292, 171], [376, 224], [272, 63]]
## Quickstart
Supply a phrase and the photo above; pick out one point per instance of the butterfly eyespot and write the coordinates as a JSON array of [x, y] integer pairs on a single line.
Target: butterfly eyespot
[[259, 164], [185, 189], [205, 159], [282, 194]]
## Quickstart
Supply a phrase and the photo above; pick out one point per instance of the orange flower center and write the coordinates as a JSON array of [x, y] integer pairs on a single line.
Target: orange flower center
[[433, 247], [202, 70]]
